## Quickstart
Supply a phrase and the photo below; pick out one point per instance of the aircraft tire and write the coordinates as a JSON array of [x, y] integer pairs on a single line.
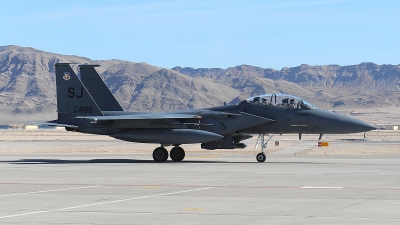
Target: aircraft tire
[[160, 154], [177, 154], [261, 157]]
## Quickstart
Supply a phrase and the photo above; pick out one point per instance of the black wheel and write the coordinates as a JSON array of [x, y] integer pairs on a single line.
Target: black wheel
[[160, 154], [177, 154], [261, 157]]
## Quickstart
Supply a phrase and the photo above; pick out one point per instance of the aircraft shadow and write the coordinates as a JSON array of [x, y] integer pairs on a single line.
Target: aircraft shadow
[[135, 161], [99, 161]]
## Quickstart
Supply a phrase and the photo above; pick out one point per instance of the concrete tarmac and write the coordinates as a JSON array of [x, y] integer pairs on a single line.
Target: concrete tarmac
[[203, 189]]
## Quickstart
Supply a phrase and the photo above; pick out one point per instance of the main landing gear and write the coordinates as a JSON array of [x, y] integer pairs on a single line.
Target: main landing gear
[[160, 154], [177, 153], [261, 157]]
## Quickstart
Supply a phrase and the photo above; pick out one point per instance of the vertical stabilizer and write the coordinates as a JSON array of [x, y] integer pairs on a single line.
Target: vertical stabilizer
[[73, 99], [98, 89]]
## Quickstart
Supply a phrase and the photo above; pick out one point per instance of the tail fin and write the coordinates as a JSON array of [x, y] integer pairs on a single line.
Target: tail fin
[[73, 99], [98, 89]]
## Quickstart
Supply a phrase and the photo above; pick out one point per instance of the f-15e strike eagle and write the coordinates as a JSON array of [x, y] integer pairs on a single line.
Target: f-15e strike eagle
[[86, 105]]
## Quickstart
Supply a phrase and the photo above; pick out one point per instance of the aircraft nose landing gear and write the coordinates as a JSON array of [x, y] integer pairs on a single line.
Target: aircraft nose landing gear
[[261, 157]]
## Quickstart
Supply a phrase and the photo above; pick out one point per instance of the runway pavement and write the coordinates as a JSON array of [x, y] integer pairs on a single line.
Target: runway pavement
[[203, 189]]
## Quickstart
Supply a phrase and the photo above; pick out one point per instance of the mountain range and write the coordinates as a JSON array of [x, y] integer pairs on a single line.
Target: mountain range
[[27, 83]]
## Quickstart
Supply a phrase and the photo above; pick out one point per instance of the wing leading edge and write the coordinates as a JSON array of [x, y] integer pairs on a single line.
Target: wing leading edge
[[142, 116]]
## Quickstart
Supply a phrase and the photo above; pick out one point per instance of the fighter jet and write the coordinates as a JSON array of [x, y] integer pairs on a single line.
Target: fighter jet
[[86, 105]]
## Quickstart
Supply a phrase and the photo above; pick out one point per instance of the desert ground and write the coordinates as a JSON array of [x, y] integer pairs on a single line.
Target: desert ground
[[48, 141], [379, 142]]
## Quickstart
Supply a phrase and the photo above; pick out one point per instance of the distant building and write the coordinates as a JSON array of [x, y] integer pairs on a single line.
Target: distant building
[[388, 127], [60, 128], [30, 127]]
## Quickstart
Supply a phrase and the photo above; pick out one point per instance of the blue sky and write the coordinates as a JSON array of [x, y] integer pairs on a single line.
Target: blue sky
[[268, 34]]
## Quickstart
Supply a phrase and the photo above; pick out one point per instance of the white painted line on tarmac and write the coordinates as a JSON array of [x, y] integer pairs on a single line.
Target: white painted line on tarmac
[[322, 187], [54, 190], [103, 203]]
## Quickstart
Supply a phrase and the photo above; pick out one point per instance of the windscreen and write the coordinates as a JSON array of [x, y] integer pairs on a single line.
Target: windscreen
[[281, 100]]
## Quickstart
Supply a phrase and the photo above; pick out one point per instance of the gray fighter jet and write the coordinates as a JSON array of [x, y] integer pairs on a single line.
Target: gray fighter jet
[[86, 105]]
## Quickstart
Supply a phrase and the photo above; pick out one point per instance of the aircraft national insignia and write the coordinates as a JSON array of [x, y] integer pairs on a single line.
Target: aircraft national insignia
[[222, 126], [66, 76]]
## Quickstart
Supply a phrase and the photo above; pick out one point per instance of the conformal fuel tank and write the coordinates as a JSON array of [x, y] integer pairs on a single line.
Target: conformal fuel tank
[[167, 136]]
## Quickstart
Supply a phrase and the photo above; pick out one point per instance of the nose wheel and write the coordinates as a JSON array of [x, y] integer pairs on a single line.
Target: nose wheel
[[261, 157]]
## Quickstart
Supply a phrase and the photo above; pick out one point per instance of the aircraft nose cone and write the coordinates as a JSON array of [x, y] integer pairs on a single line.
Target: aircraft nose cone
[[370, 127], [352, 125], [363, 126]]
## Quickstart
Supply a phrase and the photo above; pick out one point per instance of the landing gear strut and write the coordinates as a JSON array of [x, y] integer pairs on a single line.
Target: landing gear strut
[[261, 157], [177, 153]]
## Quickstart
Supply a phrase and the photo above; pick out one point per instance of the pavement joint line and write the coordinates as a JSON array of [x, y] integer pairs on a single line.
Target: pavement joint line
[[104, 203], [53, 190], [394, 188], [305, 187]]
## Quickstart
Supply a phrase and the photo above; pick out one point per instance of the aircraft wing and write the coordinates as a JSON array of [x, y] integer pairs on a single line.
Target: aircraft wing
[[171, 120], [142, 116]]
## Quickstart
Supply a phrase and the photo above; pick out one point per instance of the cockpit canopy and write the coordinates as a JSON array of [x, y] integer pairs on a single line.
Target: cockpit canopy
[[281, 100]]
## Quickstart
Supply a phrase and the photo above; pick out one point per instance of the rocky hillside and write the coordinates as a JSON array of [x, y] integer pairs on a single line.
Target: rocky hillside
[[27, 79], [363, 85], [365, 76], [27, 83]]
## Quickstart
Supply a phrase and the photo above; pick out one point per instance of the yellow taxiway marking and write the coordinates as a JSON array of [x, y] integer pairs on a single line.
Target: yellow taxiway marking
[[192, 209], [151, 186]]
